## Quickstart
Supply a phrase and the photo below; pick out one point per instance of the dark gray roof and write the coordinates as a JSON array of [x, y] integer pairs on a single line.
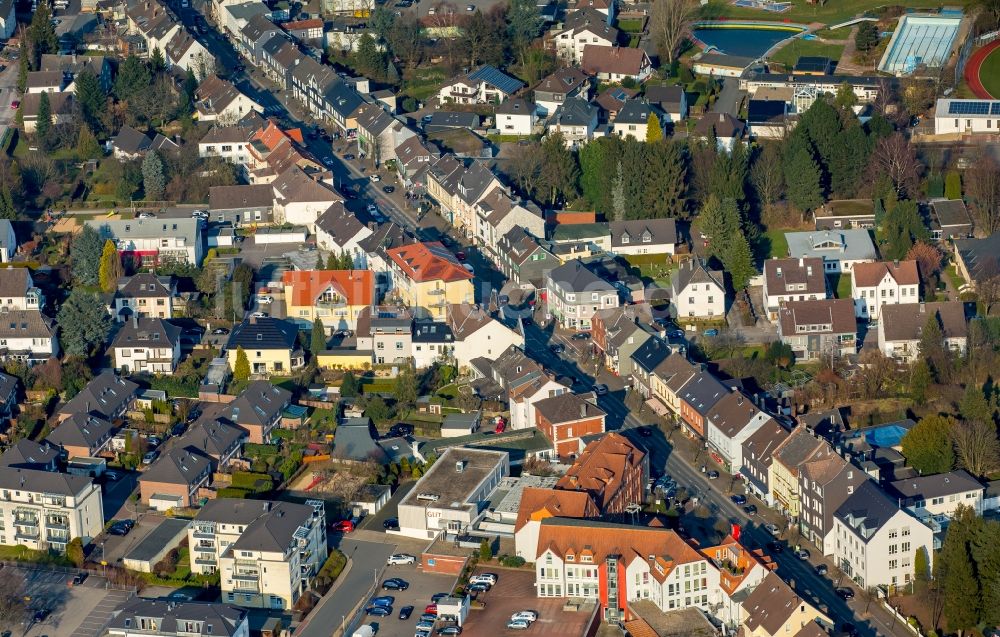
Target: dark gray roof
[[28, 454], [981, 256], [575, 276], [263, 333], [432, 332], [165, 533], [906, 321], [702, 392], [951, 212], [8, 389], [144, 285], [695, 271], [664, 95], [386, 236], [177, 466], [147, 332], [81, 430], [651, 354], [496, 78], [131, 141], [275, 530], [258, 27], [213, 437], [105, 395], [935, 486], [240, 196], [563, 81], [42, 481], [259, 404], [574, 112], [867, 510], [633, 112], [224, 620], [340, 223], [658, 231], [515, 106], [355, 440]]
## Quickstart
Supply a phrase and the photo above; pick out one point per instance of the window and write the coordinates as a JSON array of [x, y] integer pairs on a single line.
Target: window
[[893, 564], [906, 547], [893, 549]]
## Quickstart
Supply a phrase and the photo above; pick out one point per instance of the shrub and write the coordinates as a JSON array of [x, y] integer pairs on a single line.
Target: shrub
[[512, 561], [233, 492], [331, 570]]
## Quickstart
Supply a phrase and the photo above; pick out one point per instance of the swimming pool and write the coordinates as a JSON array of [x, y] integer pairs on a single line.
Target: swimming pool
[[744, 39], [920, 40]]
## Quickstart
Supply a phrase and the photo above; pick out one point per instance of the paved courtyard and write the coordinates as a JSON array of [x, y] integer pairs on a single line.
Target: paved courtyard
[[74, 611]]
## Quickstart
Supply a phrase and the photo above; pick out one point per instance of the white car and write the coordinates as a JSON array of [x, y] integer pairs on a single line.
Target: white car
[[524, 615], [264, 299], [400, 558], [375, 178], [484, 578], [772, 529], [146, 215], [372, 208], [258, 315], [518, 624], [200, 214]]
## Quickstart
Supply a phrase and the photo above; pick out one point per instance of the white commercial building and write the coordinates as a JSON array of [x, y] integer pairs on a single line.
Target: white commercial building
[[967, 117]]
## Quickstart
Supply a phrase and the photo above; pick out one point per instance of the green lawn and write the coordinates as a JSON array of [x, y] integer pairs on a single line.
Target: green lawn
[[423, 82], [777, 244], [956, 279], [989, 73], [841, 283], [842, 33], [791, 52], [630, 25], [829, 12]]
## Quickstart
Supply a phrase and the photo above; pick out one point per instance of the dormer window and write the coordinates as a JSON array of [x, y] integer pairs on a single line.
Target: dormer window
[[570, 557]]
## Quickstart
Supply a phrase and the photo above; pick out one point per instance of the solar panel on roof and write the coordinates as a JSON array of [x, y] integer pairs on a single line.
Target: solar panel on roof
[[995, 109], [969, 108], [496, 77]]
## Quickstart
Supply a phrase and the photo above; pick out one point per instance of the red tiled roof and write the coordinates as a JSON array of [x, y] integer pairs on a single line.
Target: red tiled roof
[[868, 275], [428, 261], [537, 504], [355, 286], [612, 59], [601, 467]]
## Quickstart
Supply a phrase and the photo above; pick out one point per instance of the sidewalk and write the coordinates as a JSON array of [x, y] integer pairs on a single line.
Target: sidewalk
[[329, 594]]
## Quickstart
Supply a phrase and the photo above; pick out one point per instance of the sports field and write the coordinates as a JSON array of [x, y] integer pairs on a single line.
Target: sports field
[[982, 71]]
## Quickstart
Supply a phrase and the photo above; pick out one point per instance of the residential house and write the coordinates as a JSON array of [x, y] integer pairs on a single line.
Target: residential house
[[768, 119], [523, 259], [387, 332], [427, 277], [432, 342], [657, 371], [758, 454], [216, 439], [175, 477], [45, 82], [231, 143], [563, 84], [883, 283], [773, 609], [61, 109], [574, 292], [936, 497], [486, 84], [950, 220], [612, 63], [339, 231], [966, 117], [476, 334], [497, 213], [633, 120], [567, 417], [218, 100], [729, 423], [375, 247], [266, 553], [698, 291], [130, 144], [877, 541], [670, 100], [802, 279], [379, 133], [142, 617], [299, 199], [18, 291], [258, 410], [839, 249], [698, 396], [612, 100], [413, 158], [28, 454], [82, 435], [147, 345], [515, 117], [184, 51], [44, 510], [978, 260], [796, 449], [106, 395], [310, 31], [825, 483], [144, 295], [336, 297], [726, 129], [270, 345], [619, 332], [612, 471], [257, 33], [28, 336], [242, 204], [154, 241], [521, 381], [576, 120], [459, 187], [644, 236], [280, 57], [845, 213], [581, 28], [901, 328], [538, 504], [818, 329]]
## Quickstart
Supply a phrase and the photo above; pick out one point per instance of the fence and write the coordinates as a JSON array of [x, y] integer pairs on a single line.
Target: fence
[[986, 38]]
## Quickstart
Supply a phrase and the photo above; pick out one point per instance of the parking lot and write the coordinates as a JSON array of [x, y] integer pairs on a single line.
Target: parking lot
[[74, 611], [115, 547], [422, 587], [515, 591]]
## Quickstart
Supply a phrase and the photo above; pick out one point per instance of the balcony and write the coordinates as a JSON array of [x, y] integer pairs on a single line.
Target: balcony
[[436, 291], [204, 562], [57, 538], [20, 536], [61, 524], [201, 534], [336, 302], [249, 577]]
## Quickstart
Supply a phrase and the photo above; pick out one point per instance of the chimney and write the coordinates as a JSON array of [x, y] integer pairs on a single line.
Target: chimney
[[802, 262], [583, 410], [135, 321]]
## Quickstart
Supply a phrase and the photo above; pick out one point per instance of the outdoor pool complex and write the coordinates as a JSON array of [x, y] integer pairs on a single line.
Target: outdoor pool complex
[[745, 39], [919, 39]]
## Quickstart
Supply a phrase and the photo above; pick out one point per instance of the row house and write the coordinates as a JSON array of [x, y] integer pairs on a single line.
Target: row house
[[476, 334], [698, 396], [877, 284], [175, 479], [658, 372], [279, 57], [773, 609], [379, 133], [458, 188], [106, 395], [498, 213], [258, 410], [523, 259], [758, 455], [82, 436], [566, 418], [219, 441], [619, 332], [387, 332], [574, 293], [266, 553], [901, 328], [521, 381], [785, 280], [241, 205], [729, 423], [414, 157], [783, 483], [825, 482], [252, 38], [427, 277]]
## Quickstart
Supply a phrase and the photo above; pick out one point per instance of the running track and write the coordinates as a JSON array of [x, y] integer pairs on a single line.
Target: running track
[[973, 66]]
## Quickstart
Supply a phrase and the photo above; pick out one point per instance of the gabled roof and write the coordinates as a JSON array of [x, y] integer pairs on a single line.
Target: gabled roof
[[635, 111], [258, 27], [129, 140], [613, 98], [28, 454], [830, 316], [144, 285], [428, 261], [576, 277], [354, 287], [81, 430], [240, 196], [871, 274], [516, 106], [867, 510], [771, 605], [538, 504], [341, 224], [172, 616], [14, 282], [465, 319], [696, 271], [664, 95], [724, 125], [587, 17], [935, 486], [564, 81], [147, 332], [213, 437], [906, 321], [497, 79], [104, 395], [575, 111], [797, 448], [295, 186], [853, 244], [807, 271], [263, 333], [653, 232], [761, 444], [602, 468], [733, 413], [568, 407], [373, 119], [38, 481], [651, 354], [177, 466], [702, 392], [258, 405], [613, 59]]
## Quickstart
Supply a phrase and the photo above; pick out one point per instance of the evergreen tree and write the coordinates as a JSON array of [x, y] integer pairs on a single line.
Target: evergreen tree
[[7, 208], [332, 261], [664, 193], [983, 545], [368, 58], [739, 262], [867, 36], [42, 33], [349, 385], [485, 551], [86, 144], [85, 255], [24, 66], [559, 169], [241, 371], [133, 78], [718, 222], [317, 342], [407, 388], [654, 130], [848, 160], [927, 446], [618, 209], [845, 98], [44, 124], [156, 62], [83, 322], [524, 21], [91, 98], [153, 180], [111, 267], [901, 228], [920, 380], [190, 84], [957, 578], [802, 177]]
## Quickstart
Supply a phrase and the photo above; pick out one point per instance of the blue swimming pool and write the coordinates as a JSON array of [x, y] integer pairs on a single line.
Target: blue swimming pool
[[743, 40]]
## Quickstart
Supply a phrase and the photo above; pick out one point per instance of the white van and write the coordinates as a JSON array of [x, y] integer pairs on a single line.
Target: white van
[[365, 631]]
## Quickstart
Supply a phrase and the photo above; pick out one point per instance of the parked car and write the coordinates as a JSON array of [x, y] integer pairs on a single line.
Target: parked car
[[405, 612], [478, 588], [40, 615], [711, 332], [378, 611], [400, 558], [738, 499], [395, 584], [713, 475], [391, 524], [518, 624], [845, 593], [802, 554], [484, 578], [581, 336], [431, 609], [557, 348], [427, 617], [750, 509], [600, 389], [401, 429], [265, 299], [349, 156], [425, 625], [436, 597], [822, 569], [449, 630], [388, 189], [112, 476], [772, 529], [384, 600], [525, 615], [220, 331], [149, 457], [78, 579], [775, 547], [344, 526], [154, 441], [375, 178]]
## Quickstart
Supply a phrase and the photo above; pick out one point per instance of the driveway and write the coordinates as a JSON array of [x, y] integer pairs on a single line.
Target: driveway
[[730, 97]]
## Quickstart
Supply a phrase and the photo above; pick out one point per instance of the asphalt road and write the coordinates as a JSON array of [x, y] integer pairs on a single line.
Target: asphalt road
[[368, 563]]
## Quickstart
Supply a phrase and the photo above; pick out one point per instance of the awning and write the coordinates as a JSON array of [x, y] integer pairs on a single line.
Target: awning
[[657, 406]]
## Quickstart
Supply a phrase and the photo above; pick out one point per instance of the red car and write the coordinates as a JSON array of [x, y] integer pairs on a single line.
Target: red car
[[15, 104], [344, 526], [460, 256], [431, 609]]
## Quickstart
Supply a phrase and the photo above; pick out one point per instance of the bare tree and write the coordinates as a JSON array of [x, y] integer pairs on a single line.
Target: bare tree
[[982, 186], [766, 176], [879, 374], [12, 607], [894, 158], [977, 447], [670, 23], [928, 258], [525, 168]]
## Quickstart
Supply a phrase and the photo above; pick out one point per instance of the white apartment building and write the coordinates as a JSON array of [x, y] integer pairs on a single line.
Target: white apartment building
[[876, 542], [936, 497], [697, 291], [266, 553], [154, 241], [141, 617], [44, 510], [883, 283]]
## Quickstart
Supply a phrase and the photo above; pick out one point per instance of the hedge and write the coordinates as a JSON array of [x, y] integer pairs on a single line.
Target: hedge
[[331, 570]]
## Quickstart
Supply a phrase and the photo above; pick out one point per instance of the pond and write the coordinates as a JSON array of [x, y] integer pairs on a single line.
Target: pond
[[750, 42]]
